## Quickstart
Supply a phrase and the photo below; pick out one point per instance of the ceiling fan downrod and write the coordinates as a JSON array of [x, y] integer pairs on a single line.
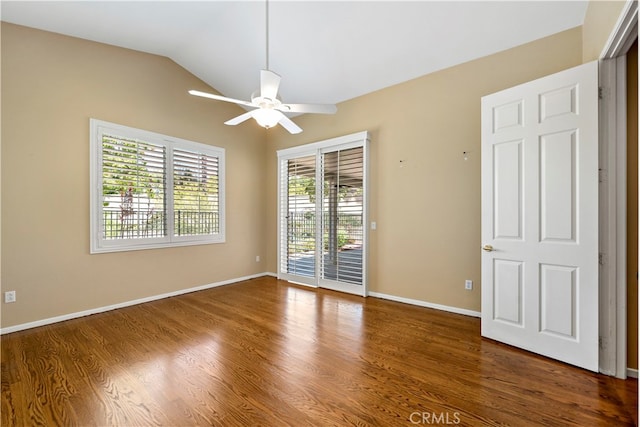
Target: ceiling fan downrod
[[266, 14], [266, 107]]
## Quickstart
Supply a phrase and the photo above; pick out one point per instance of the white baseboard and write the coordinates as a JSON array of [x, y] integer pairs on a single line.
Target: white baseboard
[[633, 373], [70, 316], [97, 310], [426, 304]]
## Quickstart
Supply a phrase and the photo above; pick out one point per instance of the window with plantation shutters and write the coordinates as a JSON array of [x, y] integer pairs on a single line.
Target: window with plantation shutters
[[133, 188], [152, 191], [195, 193]]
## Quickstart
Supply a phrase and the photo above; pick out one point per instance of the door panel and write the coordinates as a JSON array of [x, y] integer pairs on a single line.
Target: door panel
[[507, 116], [540, 216], [557, 103], [508, 291], [298, 219], [558, 300], [558, 186], [343, 214], [508, 190]]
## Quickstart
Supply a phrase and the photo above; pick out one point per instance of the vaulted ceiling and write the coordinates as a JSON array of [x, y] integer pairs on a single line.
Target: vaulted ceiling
[[325, 51]]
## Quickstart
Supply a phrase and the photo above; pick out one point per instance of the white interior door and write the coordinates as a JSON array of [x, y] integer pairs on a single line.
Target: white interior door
[[540, 216]]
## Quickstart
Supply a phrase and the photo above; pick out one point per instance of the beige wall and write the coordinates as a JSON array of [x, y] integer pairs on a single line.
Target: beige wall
[[51, 86], [599, 21], [428, 211], [427, 240]]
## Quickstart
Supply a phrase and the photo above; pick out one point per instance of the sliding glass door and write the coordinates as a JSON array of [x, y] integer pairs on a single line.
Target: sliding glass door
[[342, 218], [322, 214]]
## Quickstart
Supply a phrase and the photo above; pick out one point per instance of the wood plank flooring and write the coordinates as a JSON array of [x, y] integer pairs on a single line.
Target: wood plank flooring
[[267, 353]]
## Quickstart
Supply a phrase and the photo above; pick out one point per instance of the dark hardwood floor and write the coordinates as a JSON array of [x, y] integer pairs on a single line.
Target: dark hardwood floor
[[264, 352]]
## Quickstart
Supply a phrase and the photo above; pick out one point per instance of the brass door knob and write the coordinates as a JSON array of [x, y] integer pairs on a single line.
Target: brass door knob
[[488, 248]]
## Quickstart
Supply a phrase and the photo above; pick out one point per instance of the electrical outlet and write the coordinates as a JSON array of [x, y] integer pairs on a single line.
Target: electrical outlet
[[10, 296], [257, 258], [468, 284]]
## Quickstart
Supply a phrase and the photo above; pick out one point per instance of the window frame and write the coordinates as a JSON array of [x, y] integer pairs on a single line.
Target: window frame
[[101, 245]]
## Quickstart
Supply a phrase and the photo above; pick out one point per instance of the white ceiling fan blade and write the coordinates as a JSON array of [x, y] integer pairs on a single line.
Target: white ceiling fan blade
[[269, 84], [241, 118], [308, 108], [220, 98], [286, 123]]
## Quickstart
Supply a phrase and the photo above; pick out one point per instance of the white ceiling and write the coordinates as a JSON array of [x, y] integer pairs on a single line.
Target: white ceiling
[[325, 51]]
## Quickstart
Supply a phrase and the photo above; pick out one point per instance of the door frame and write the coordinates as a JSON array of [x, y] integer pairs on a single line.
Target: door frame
[[613, 239], [358, 139]]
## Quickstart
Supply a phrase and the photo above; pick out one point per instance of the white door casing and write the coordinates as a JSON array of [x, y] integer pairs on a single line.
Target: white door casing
[[540, 216]]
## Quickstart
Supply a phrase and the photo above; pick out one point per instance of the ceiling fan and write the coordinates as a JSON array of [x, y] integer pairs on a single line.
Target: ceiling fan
[[267, 108]]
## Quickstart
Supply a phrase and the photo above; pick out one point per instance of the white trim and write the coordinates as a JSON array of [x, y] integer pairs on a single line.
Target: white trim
[[620, 291], [345, 287], [621, 38], [612, 222], [613, 142], [426, 304], [97, 310], [306, 285], [366, 183], [633, 373], [293, 152], [613, 302]]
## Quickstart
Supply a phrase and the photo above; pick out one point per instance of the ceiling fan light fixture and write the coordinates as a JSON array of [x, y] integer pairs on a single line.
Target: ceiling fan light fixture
[[268, 106], [267, 117]]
